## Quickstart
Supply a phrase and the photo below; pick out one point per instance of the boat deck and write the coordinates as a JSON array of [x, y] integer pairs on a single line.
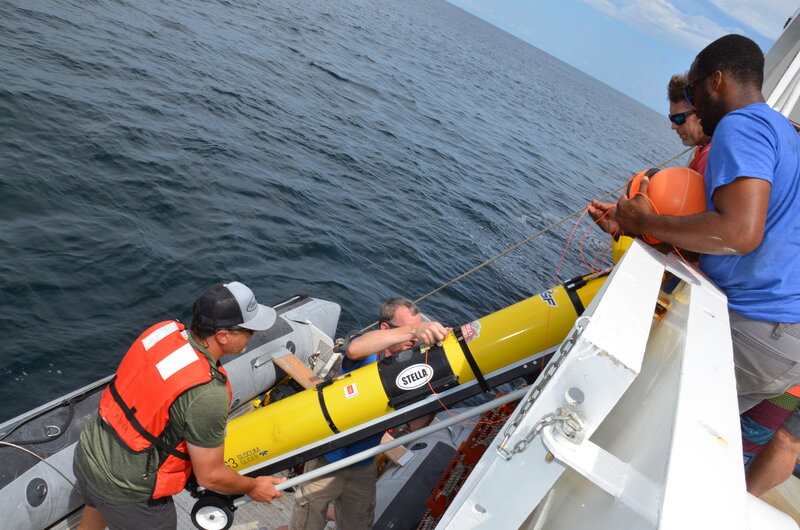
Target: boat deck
[[786, 498], [261, 516], [250, 516]]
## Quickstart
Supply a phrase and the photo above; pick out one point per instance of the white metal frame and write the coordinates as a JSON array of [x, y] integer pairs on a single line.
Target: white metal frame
[[654, 441]]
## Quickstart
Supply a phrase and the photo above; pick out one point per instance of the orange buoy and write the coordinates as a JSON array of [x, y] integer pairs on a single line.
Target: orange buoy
[[671, 191]]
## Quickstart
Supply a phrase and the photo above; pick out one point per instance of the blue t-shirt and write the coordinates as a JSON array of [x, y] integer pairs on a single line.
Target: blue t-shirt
[[756, 141], [366, 443]]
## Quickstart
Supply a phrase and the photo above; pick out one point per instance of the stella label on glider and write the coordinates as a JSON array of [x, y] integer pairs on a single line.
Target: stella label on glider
[[414, 376]]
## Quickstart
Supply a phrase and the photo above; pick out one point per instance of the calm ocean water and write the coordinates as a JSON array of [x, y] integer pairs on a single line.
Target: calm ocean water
[[352, 150]]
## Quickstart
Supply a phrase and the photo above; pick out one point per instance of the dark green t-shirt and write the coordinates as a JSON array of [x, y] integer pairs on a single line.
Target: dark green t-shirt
[[115, 473]]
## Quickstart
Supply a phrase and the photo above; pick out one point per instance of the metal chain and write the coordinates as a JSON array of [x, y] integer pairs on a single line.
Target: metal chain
[[548, 419]]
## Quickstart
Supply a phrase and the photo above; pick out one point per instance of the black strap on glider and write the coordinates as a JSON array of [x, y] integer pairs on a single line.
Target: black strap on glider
[[324, 408], [408, 376], [471, 360], [571, 286], [130, 414]]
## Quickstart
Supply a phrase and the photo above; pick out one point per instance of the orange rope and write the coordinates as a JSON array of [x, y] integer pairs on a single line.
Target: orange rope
[[591, 267], [596, 265], [566, 246], [436, 395], [676, 249], [547, 324]]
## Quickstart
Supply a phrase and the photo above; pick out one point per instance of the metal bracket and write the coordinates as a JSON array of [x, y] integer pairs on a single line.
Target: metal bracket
[[614, 476], [52, 431]]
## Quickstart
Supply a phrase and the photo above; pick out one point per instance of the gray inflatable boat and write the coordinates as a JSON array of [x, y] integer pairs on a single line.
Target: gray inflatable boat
[[36, 448]]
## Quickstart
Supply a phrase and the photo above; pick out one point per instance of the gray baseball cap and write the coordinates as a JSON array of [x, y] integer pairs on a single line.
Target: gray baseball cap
[[226, 305]]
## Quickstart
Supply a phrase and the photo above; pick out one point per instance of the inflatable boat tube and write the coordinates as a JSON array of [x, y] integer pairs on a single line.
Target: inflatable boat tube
[[36, 489]]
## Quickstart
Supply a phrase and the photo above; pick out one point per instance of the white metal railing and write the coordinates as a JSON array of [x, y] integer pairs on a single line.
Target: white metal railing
[[637, 428]]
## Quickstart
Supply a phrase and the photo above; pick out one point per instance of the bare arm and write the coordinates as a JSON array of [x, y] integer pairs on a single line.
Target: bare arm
[[212, 473], [380, 339], [734, 226]]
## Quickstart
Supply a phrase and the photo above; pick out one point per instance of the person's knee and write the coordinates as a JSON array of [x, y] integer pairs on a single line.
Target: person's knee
[[91, 519], [786, 440], [308, 514]]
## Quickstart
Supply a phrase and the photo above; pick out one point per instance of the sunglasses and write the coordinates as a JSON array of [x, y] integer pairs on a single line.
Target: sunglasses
[[688, 90], [680, 117]]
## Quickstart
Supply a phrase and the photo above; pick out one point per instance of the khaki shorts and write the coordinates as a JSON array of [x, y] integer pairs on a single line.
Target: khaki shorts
[[351, 490], [766, 357]]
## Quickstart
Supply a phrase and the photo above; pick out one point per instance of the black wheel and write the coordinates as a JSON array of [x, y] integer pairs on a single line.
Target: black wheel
[[212, 513]]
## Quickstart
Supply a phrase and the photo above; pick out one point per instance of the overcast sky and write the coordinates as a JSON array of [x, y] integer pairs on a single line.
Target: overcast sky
[[633, 45]]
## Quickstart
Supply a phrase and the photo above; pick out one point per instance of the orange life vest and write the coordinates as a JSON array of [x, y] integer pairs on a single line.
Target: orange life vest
[[160, 366]]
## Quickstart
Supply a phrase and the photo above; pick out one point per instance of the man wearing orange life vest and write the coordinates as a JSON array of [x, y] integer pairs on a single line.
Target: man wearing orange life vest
[[686, 123], [163, 416]]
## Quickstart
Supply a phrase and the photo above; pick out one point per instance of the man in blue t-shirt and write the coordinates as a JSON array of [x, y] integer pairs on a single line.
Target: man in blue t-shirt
[[749, 238], [352, 489]]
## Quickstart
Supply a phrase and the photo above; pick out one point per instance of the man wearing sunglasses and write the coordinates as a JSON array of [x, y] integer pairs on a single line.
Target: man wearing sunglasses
[[686, 124], [352, 489], [163, 416], [749, 238]]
